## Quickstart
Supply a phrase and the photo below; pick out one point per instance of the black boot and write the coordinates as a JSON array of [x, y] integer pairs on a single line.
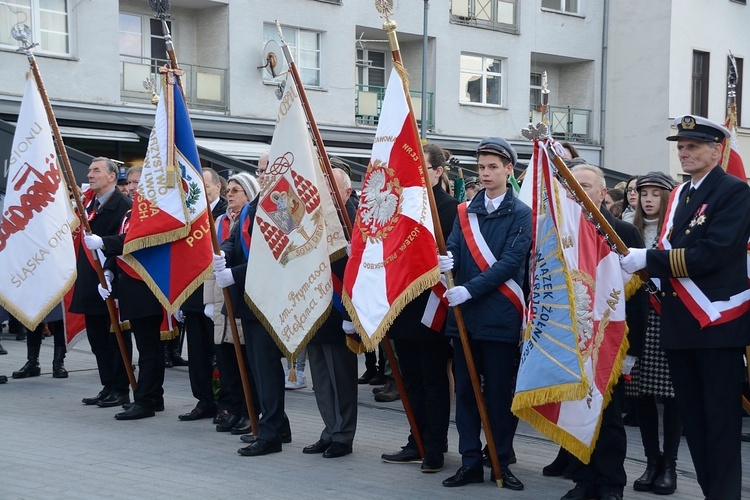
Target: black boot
[[558, 465], [58, 366], [666, 483], [653, 470], [165, 352], [31, 368]]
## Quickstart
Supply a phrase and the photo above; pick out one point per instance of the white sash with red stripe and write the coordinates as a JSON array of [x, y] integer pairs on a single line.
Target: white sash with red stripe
[[707, 312], [436, 309], [484, 257]]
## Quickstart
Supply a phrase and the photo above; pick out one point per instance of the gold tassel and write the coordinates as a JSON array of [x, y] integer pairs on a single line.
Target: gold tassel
[[292, 372]]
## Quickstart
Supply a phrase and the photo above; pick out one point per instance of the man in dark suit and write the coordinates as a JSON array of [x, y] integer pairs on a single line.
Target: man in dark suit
[[199, 327], [105, 211], [702, 263]]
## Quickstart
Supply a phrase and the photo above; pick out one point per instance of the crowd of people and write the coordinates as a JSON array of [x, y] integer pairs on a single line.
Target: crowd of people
[[686, 339]]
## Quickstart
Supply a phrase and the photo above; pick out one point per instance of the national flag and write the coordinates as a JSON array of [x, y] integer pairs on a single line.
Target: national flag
[[295, 236], [168, 243], [731, 159], [37, 257], [393, 257], [575, 339]]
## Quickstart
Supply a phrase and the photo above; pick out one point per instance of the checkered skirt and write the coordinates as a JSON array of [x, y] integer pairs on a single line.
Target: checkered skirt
[[650, 375]]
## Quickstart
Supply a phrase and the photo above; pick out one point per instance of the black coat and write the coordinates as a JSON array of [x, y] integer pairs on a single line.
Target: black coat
[[714, 252], [86, 299]]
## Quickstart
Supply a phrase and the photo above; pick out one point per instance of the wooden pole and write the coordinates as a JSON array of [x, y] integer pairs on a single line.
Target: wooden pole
[[114, 320]]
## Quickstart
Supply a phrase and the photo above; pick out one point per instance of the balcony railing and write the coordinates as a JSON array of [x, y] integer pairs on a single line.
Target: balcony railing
[[205, 87], [566, 123], [369, 102]]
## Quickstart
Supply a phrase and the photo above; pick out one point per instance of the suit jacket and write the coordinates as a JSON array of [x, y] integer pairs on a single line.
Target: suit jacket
[[714, 252], [106, 222]]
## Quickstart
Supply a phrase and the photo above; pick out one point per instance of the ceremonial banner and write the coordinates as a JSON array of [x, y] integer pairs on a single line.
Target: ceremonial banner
[[295, 236], [393, 257], [731, 159], [37, 257], [575, 339], [174, 269]]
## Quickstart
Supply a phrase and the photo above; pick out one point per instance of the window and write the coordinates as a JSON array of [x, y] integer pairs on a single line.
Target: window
[[48, 20], [305, 48], [493, 14], [370, 68], [570, 6], [738, 61], [142, 37], [699, 104], [481, 80], [535, 89]]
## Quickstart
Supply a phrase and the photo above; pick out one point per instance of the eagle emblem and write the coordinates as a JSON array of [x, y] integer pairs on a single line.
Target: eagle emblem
[[379, 204]]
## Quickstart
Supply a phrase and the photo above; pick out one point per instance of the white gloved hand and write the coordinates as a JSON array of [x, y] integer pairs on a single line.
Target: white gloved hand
[[208, 310], [93, 241], [224, 278], [220, 262], [179, 316], [349, 249], [634, 261], [626, 277], [628, 363], [348, 327], [105, 292], [457, 296], [445, 262]]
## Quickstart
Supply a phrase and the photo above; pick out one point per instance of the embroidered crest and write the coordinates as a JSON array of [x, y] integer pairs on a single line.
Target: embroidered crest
[[688, 123], [379, 203]]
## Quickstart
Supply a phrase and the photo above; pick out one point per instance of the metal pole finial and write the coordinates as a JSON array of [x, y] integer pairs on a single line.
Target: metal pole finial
[[22, 33], [385, 7], [160, 7]]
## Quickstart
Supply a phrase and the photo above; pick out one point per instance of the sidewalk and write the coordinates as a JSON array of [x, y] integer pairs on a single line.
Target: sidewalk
[[52, 446]]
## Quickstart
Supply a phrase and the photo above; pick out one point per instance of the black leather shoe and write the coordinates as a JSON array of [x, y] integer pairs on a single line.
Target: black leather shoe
[[318, 447], [337, 450], [113, 400], [242, 426], [221, 416], [367, 376], [509, 480], [179, 361], [405, 456], [197, 413], [3, 379], [286, 437], [378, 379], [432, 463], [464, 476], [259, 447], [92, 401], [159, 407], [228, 423], [135, 412], [558, 465], [578, 493]]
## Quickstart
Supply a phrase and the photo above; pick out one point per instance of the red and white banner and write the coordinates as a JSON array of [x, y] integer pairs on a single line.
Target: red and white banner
[[296, 234], [37, 257], [731, 159], [394, 256]]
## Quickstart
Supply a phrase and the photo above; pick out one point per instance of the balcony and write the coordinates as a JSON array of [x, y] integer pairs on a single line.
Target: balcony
[[369, 102], [566, 123], [205, 87]]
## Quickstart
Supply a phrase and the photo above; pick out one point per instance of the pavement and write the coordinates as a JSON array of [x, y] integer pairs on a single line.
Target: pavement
[[53, 447]]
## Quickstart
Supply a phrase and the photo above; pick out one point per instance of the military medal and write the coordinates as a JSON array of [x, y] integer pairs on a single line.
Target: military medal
[[700, 217]]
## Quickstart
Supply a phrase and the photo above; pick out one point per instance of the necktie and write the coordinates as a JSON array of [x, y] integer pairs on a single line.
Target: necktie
[[691, 191], [490, 206], [94, 206]]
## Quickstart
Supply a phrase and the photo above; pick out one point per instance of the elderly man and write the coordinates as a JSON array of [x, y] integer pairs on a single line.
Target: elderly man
[[134, 177], [702, 264]]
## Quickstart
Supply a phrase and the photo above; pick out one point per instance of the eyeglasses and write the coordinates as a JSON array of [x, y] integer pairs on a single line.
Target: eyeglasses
[[631, 190], [235, 190]]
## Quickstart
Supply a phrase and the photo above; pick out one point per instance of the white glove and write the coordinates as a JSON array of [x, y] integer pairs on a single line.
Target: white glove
[[445, 262], [349, 249], [208, 310], [220, 262], [634, 261], [626, 277], [348, 327], [457, 296], [105, 292], [179, 316], [93, 241], [628, 363], [224, 278]]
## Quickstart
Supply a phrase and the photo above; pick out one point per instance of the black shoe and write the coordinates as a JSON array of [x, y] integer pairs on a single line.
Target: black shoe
[[258, 448], [318, 447], [653, 470], [243, 426], [509, 480], [92, 401], [179, 361], [578, 493], [286, 437], [228, 423], [405, 456], [3, 379], [221, 416], [666, 483], [197, 413], [30, 369], [558, 465], [159, 407], [337, 450], [378, 379], [464, 476], [3, 351], [367, 376], [135, 412], [113, 399], [433, 462]]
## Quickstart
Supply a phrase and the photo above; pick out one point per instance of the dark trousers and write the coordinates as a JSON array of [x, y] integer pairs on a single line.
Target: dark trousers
[[424, 369], [34, 338], [232, 394], [200, 342], [496, 362], [334, 373], [109, 361], [150, 390], [648, 421], [605, 472], [265, 364], [708, 388]]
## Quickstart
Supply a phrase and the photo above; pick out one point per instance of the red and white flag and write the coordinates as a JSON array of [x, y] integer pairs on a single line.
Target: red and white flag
[[37, 257], [394, 256], [731, 159]]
